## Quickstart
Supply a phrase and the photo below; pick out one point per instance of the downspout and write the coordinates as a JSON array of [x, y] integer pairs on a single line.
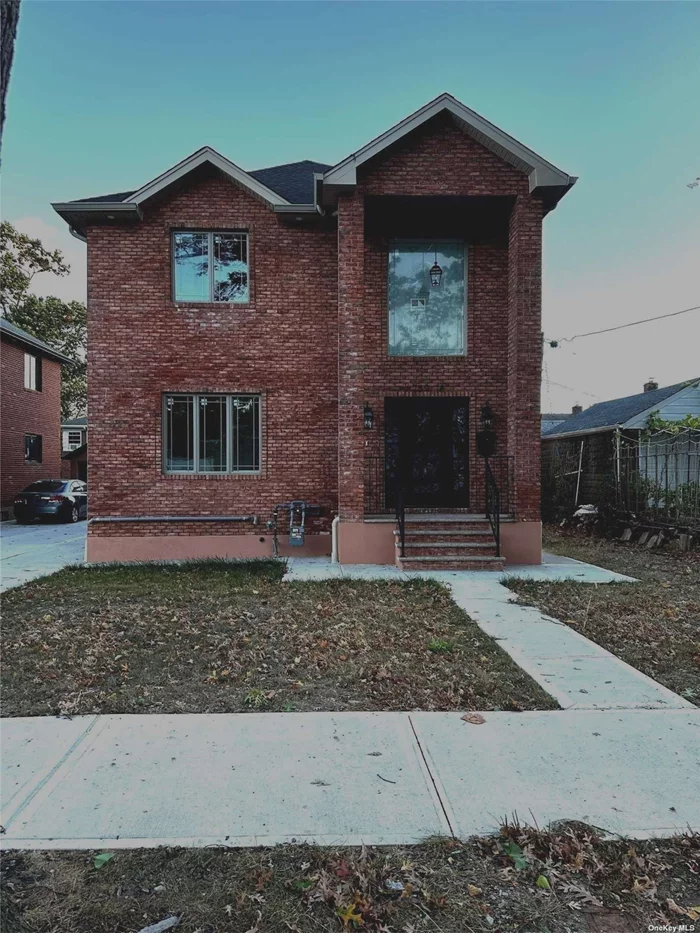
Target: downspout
[[334, 539]]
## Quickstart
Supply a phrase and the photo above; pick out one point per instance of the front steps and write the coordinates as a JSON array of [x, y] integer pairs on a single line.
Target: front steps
[[448, 542]]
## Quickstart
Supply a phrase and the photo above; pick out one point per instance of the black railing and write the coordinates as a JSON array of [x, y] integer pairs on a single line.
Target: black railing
[[375, 487], [502, 469], [401, 520], [492, 504]]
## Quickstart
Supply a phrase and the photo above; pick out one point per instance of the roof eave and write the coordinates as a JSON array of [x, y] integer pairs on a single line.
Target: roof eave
[[38, 347], [80, 214]]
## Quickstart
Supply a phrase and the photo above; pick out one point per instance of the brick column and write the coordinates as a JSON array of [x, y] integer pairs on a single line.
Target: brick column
[[525, 352], [351, 284]]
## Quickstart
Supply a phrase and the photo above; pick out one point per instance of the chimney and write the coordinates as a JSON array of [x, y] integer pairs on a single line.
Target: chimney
[[577, 409], [650, 385]]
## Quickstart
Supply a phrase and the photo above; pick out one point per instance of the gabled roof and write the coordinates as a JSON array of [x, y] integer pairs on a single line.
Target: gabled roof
[[541, 173], [294, 181], [29, 342], [205, 155], [80, 422], [617, 411], [299, 187]]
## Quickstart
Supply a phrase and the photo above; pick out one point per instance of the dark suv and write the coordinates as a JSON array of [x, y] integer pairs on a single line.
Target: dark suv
[[62, 499]]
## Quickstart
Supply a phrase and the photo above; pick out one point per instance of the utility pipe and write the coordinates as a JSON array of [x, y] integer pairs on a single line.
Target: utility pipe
[[334, 539]]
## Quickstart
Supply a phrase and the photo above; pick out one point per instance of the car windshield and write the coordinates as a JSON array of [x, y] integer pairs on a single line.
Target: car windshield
[[46, 485]]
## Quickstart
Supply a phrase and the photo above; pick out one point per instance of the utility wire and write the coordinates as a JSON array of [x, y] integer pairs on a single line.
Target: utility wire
[[607, 330]]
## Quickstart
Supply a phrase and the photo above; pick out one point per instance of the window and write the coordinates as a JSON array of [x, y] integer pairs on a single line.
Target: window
[[426, 320], [212, 434], [32, 448], [32, 372], [74, 438], [210, 267]]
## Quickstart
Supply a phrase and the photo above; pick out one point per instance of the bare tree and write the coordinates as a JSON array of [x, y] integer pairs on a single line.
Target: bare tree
[[9, 17]]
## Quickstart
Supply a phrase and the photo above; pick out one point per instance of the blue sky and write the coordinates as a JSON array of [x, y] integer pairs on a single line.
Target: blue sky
[[105, 95]]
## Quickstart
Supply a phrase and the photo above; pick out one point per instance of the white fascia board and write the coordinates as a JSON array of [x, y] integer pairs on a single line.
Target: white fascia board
[[192, 162], [639, 421], [542, 173]]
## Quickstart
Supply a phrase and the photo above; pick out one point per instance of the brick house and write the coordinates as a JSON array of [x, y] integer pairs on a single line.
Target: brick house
[[31, 411], [350, 336]]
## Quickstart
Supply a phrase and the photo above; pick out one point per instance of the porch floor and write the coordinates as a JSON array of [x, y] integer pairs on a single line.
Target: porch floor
[[553, 567]]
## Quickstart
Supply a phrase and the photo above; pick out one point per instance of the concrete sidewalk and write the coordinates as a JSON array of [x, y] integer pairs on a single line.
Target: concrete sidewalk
[[28, 552], [342, 778]]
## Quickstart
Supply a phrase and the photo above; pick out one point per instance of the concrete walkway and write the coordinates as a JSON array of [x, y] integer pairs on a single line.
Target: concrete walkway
[[342, 778], [31, 551]]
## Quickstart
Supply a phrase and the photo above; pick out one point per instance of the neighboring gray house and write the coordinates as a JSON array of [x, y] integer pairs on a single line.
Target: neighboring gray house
[[605, 448], [632, 412], [549, 420], [73, 434]]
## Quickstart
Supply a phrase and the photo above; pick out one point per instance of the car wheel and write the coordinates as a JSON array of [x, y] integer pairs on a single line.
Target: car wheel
[[74, 514]]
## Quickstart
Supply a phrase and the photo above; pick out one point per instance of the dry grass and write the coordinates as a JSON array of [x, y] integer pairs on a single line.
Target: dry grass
[[653, 625], [525, 879], [222, 638]]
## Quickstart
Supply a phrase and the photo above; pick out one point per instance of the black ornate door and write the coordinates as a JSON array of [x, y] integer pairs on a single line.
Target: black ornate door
[[427, 451]]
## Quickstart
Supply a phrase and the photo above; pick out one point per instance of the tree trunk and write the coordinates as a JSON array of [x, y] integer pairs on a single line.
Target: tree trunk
[[9, 17]]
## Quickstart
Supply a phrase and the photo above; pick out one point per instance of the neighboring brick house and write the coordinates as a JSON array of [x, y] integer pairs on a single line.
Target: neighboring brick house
[[334, 334], [31, 411]]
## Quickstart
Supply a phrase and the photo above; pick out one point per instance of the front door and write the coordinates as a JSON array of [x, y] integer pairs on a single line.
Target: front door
[[427, 451]]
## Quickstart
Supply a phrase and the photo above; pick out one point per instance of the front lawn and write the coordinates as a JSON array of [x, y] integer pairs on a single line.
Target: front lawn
[[563, 881], [215, 637], [654, 625]]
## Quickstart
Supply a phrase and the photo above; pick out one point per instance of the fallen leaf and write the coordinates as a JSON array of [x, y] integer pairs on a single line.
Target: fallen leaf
[[475, 718], [473, 890], [543, 882], [102, 859]]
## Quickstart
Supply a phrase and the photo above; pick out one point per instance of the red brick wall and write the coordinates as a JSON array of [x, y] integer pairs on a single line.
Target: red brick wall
[[313, 340], [25, 412], [442, 160], [141, 344]]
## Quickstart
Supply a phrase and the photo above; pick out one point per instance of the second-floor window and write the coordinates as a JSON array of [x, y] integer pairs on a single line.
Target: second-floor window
[[74, 438], [32, 372], [210, 267], [427, 320]]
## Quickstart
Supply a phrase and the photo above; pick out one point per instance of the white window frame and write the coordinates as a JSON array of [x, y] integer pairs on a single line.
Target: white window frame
[[71, 435], [196, 396], [32, 367], [210, 234], [465, 304]]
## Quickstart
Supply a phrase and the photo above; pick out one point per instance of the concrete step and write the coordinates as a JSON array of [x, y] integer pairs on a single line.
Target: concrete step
[[474, 562], [438, 536], [439, 525], [449, 549]]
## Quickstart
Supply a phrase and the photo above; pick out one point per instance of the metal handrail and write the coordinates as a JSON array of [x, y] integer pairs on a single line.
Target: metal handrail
[[493, 505], [401, 519]]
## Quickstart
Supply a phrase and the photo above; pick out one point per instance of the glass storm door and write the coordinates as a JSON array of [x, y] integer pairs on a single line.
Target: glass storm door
[[427, 451]]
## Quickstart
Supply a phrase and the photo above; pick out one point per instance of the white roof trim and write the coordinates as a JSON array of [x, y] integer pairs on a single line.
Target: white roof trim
[[206, 154], [541, 172]]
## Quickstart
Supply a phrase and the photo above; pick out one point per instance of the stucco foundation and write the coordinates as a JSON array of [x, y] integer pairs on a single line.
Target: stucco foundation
[[104, 548], [366, 542], [521, 542]]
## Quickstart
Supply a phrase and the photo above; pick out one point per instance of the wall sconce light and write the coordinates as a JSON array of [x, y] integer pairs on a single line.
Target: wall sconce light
[[369, 417], [488, 418], [486, 437]]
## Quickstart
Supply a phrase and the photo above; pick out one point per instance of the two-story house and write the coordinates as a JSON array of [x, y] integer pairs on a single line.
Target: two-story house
[[355, 336], [31, 411]]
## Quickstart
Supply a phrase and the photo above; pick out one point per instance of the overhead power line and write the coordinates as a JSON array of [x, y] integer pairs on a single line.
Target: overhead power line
[[607, 330]]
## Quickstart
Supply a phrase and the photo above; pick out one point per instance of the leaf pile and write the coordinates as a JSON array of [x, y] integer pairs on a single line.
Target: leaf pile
[[566, 880], [223, 638]]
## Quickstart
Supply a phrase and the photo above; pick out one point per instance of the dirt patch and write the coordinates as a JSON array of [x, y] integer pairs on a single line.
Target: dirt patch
[[654, 625], [564, 881], [232, 638]]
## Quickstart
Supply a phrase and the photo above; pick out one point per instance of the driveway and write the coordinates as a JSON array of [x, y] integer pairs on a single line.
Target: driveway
[[31, 551]]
